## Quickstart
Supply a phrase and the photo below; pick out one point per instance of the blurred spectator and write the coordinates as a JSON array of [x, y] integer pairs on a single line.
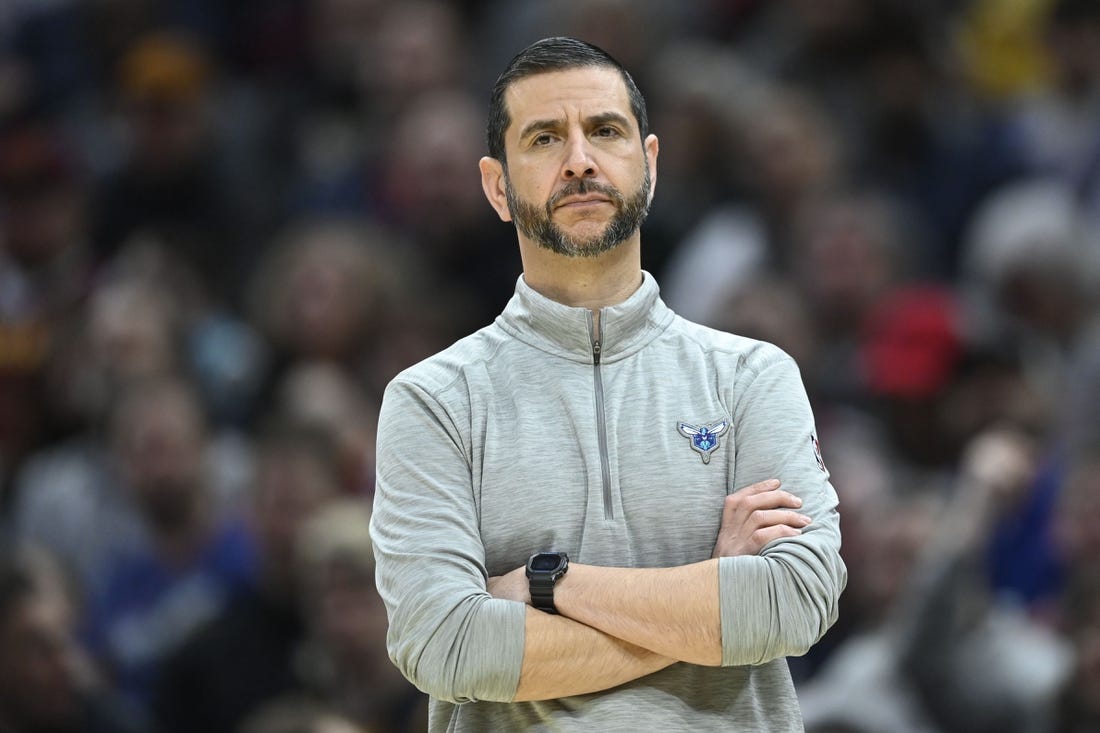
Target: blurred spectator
[[885, 522], [223, 353], [157, 593], [948, 656], [1078, 427], [1078, 708], [791, 158], [344, 292], [772, 309], [47, 681], [1056, 124], [792, 154], [927, 144], [703, 94], [1030, 260], [138, 323], [1077, 538], [43, 37], [430, 193], [1033, 270], [909, 353], [45, 275], [170, 186], [319, 394], [417, 48], [1076, 531], [344, 659], [68, 497], [848, 252], [243, 656], [978, 660], [298, 715], [340, 33], [991, 387], [318, 293], [889, 82], [370, 62]]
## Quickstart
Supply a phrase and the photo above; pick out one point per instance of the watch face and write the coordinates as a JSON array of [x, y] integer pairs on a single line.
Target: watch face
[[546, 562]]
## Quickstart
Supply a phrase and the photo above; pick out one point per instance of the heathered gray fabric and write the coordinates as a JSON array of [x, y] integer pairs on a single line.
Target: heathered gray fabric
[[488, 452]]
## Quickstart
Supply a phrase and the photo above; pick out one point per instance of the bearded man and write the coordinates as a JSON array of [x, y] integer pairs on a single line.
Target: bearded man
[[593, 514]]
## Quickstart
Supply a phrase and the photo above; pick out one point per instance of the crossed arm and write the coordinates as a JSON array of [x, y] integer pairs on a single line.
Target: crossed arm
[[461, 644], [618, 624]]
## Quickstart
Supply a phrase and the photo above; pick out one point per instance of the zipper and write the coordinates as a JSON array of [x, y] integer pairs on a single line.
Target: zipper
[[601, 420]]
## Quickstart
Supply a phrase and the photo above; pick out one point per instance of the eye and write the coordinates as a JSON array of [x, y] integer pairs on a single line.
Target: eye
[[543, 139], [606, 131]]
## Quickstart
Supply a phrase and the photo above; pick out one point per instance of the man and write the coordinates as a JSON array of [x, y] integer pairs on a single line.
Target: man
[[194, 558], [245, 655], [590, 421]]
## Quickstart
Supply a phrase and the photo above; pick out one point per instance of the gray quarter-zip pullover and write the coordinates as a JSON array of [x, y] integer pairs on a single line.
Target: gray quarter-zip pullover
[[532, 434]]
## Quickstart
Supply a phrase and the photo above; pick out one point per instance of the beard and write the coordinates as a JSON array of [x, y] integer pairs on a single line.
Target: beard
[[537, 224]]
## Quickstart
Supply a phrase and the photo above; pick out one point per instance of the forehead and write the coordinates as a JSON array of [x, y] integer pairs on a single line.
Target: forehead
[[583, 91]]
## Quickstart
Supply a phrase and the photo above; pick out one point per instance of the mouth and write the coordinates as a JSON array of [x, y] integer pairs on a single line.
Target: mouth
[[581, 201]]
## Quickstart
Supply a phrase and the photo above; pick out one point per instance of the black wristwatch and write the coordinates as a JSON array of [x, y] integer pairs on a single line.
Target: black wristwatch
[[543, 571]]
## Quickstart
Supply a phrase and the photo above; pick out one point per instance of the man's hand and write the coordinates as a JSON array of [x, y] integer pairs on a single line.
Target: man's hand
[[1000, 463], [754, 516], [512, 586]]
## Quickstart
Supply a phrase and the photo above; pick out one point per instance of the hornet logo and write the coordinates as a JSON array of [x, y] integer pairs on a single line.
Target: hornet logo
[[704, 440]]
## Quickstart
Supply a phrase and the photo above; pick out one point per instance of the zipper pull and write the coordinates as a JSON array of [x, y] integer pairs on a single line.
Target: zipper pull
[[596, 353]]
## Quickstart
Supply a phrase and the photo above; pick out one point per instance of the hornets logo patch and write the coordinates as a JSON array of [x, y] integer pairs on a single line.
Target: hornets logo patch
[[704, 438]]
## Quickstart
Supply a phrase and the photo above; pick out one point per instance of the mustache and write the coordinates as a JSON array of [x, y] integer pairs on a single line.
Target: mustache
[[582, 187]]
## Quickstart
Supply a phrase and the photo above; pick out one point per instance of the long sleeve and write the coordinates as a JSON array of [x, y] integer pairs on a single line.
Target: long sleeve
[[782, 601], [447, 635]]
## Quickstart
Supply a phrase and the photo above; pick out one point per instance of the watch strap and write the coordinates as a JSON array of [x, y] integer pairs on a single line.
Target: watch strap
[[542, 593]]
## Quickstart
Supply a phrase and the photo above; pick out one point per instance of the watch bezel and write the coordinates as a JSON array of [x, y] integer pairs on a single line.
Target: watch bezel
[[552, 574]]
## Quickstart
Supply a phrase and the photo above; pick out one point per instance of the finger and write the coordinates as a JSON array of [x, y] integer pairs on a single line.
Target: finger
[[763, 536], [758, 488], [746, 503], [774, 517], [777, 499]]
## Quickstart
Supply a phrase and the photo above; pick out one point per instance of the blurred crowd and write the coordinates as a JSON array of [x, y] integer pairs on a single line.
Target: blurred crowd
[[224, 226]]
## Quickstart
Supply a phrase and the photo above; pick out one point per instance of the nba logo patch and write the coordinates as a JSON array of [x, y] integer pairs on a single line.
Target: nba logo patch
[[817, 453]]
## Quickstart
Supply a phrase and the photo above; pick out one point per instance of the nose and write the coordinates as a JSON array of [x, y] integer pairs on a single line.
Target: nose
[[579, 162]]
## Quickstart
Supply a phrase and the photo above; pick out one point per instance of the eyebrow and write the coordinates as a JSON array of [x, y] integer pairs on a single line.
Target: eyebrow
[[539, 126], [553, 124], [606, 117]]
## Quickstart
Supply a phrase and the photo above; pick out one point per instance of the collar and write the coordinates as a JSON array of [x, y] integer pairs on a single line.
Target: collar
[[566, 331]]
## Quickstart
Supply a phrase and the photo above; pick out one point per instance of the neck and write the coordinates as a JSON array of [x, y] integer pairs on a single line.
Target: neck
[[583, 282]]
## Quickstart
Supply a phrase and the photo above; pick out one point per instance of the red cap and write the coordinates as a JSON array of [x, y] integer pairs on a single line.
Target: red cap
[[911, 342]]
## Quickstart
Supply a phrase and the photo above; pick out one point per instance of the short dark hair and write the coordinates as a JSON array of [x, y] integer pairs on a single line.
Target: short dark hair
[[553, 54]]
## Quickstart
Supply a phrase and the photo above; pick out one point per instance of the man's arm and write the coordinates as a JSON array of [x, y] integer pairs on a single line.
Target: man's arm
[[672, 612], [563, 657]]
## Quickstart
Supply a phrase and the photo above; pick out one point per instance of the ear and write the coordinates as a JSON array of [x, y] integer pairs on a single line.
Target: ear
[[492, 183], [652, 147]]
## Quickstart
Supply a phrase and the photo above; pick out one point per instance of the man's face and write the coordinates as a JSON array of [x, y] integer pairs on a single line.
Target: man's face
[[578, 179]]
